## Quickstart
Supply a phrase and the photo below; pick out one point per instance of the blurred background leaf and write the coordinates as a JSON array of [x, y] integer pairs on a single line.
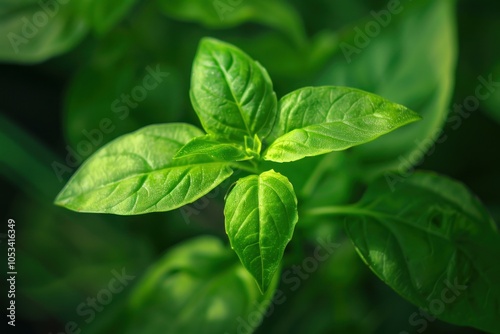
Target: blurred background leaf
[[102, 15], [226, 14], [411, 61], [192, 290], [32, 32], [492, 104]]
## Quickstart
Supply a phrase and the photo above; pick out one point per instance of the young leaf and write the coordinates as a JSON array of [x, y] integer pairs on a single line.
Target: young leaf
[[318, 120], [199, 286], [261, 213], [232, 94], [136, 173], [433, 242], [217, 149]]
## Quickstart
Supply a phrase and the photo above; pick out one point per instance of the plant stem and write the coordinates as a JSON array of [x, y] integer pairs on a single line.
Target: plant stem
[[336, 211], [328, 162], [249, 168]]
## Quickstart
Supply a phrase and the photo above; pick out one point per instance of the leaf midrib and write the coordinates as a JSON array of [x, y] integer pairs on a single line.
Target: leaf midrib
[[140, 175], [236, 101]]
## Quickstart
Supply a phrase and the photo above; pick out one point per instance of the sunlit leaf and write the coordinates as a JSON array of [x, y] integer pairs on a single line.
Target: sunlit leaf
[[136, 173], [231, 93], [217, 149], [261, 213], [318, 120]]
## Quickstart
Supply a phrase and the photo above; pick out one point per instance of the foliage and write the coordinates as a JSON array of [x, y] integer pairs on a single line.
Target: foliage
[[163, 167], [298, 175]]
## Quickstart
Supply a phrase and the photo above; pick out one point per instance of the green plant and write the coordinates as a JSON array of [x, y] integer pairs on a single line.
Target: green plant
[[163, 167], [427, 236]]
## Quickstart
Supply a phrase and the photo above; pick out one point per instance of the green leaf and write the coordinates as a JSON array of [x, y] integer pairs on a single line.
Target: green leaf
[[261, 213], [32, 33], [318, 120], [103, 15], [432, 241], [60, 269], [226, 14], [411, 62], [197, 287], [136, 173], [492, 102], [217, 149], [232, 94]]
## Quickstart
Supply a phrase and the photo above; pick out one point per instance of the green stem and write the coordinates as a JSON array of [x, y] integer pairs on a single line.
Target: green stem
[[31, 168], [329, 162], [249, 168], [337, 211]]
